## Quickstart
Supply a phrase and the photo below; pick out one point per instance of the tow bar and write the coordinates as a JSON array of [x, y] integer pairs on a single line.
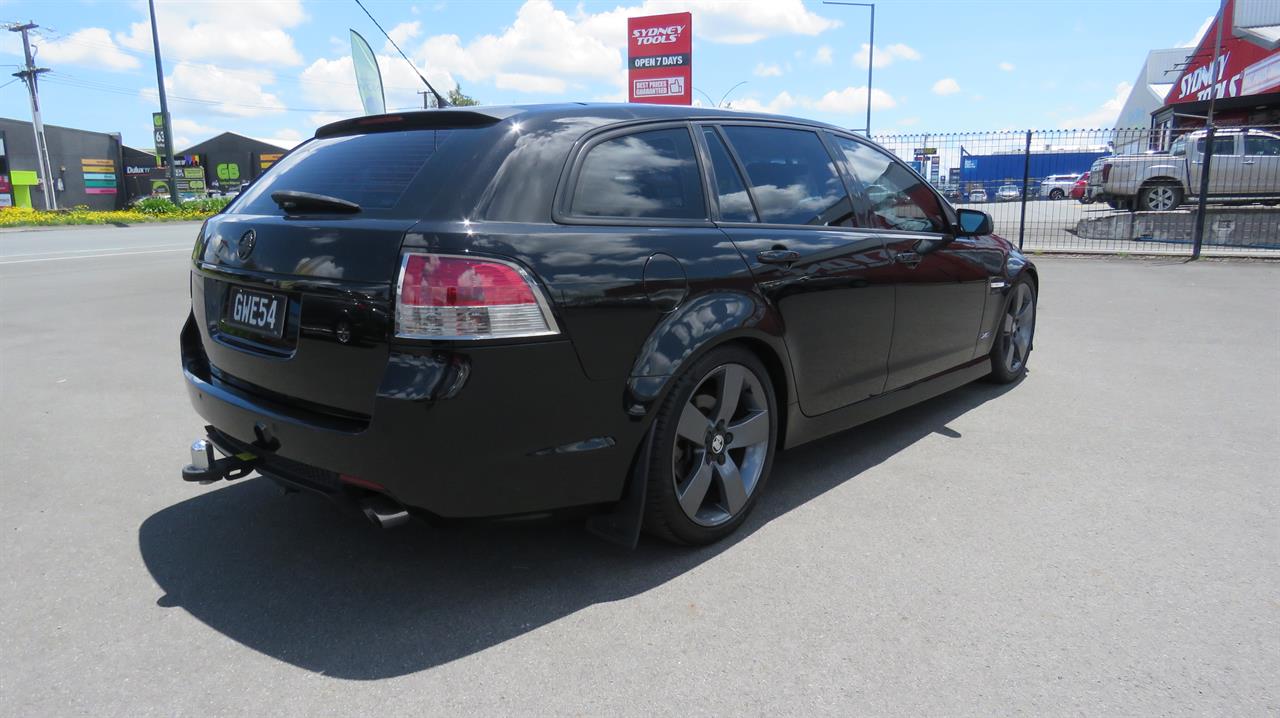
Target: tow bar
[[205, 469]]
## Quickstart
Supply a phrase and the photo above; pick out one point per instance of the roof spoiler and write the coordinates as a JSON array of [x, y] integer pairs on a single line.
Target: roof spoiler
[[430, 119]]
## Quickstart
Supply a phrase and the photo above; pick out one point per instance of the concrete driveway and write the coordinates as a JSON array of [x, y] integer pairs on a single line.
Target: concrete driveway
[[1101, 539]]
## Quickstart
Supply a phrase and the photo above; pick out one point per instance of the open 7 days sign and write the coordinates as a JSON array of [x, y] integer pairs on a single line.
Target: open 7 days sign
[[659, 59]]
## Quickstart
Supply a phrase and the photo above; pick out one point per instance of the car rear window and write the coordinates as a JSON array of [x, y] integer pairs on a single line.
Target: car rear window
[[372, 170], [651, 174]]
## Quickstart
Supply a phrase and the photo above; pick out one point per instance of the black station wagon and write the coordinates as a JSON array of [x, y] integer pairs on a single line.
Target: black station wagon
[[620, 310]]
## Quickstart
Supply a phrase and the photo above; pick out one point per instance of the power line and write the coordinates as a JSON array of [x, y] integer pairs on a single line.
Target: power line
[[62, 78]]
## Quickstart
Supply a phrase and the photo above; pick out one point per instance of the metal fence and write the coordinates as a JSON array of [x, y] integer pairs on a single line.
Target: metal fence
[[1136, 191]]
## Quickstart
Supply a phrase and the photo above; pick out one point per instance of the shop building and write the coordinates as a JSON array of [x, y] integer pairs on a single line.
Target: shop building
[[87, 167], [1245, 82], [230, 160]]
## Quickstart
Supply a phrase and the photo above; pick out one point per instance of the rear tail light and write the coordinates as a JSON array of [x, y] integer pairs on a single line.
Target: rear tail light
[[444, 296], [1106, 171]]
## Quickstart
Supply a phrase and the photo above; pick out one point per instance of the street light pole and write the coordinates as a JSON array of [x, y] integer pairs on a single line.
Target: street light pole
[[164, 106], [871, 51]]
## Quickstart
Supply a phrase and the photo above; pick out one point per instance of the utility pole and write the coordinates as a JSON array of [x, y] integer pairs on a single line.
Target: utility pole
[[29, 75], [164, 106]]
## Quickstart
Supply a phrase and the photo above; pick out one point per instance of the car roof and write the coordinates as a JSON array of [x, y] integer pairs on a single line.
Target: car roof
[[591, 114]]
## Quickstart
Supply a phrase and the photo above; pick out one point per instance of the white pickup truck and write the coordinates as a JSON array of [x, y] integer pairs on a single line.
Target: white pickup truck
[[1245, 168]]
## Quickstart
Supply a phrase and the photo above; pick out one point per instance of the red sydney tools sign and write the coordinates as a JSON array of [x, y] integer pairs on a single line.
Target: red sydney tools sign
[[659, 59]]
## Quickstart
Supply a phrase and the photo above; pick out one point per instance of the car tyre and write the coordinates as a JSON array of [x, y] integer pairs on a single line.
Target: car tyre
[[1160, 197], [1014, 341], [714, 440], [1057, 194]]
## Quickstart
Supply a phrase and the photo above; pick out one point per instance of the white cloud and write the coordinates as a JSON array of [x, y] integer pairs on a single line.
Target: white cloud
[[780, 103], [1006, 66], [853, 100], [724, 21], [187, 132], [822, 56], [402, 33], [1204, 27], [210, 30], [543, 41], [1105, 115], [331, 83], [549, 51], [523, 82], [885, 56], [286, 138], [946, 86], [771, 70], [235, 94], [91, 46]]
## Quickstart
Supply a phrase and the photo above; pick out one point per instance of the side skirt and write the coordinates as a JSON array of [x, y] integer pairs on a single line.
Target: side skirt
[[802, 429]]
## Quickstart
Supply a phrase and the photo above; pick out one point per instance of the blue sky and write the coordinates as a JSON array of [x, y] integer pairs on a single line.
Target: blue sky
[[275, 69]]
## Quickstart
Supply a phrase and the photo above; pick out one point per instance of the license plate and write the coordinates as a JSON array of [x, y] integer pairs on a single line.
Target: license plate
[[258, 312]]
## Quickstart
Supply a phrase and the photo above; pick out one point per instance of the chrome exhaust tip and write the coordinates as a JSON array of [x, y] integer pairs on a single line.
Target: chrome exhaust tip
[[383, 512]]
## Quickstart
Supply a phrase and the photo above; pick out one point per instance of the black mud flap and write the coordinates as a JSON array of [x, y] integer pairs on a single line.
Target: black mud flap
[[622, 525]]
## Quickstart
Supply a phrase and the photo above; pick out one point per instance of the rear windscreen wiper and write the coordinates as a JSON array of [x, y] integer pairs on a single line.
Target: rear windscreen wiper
[[294, 202]]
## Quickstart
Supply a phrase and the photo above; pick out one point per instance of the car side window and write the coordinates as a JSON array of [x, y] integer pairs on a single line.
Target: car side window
[[1261, 145], [792, 176], [651, 175], [1221, 145], [735, 203], [1179, 147], [899, 199]]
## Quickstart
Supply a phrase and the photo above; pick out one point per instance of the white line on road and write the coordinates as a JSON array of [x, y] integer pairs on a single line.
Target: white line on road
[[93, 256], [50, 253]]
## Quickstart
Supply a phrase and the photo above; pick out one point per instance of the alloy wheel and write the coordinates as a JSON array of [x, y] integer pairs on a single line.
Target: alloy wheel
[[1160, 198], [722, 441], [1019, 324]]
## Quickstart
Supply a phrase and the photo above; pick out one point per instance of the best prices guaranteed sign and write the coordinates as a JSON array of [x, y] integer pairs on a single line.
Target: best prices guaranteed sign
[[659, 59]]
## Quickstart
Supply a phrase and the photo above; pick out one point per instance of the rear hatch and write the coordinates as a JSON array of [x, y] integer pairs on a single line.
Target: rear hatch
[[293, 295]]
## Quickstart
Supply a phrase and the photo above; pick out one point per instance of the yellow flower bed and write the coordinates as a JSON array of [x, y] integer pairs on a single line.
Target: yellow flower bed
[[24, 217]]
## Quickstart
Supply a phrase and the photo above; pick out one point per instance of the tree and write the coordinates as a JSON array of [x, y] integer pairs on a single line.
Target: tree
[[457, 99]]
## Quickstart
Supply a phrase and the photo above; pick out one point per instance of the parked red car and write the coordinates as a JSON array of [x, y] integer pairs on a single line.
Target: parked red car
[[1078, 189]]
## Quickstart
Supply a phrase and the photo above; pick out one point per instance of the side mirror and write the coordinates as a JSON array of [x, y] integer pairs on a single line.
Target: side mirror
[[973, 222]]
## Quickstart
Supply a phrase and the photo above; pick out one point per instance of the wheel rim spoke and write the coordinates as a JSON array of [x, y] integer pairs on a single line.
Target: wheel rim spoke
[[731, 484], [695, 489], [730, 390], [693, 424], [752, 430]]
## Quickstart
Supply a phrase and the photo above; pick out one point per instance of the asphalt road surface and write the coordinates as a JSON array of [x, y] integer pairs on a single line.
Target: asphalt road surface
[[1101, 539]]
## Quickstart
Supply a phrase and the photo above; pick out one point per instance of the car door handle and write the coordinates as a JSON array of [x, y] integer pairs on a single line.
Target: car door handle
[[909, 258], [1246, 162], [778, 256]]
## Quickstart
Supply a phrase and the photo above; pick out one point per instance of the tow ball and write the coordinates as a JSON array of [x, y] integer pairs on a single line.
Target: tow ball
[[206, 469]]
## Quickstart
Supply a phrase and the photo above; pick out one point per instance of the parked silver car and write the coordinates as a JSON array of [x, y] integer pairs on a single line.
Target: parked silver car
[[1008, 192], [1058, 186]]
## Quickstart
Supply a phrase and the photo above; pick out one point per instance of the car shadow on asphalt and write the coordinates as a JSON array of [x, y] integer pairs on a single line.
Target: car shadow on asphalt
[[297, 580]]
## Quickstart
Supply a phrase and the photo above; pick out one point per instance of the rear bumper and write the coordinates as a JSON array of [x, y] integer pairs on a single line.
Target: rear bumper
[[483, 432]]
